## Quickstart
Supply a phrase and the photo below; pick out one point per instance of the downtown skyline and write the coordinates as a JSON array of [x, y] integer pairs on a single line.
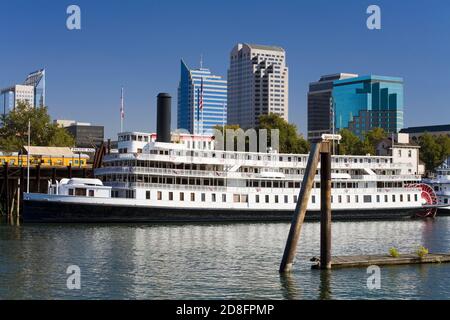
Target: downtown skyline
[[87, 68]]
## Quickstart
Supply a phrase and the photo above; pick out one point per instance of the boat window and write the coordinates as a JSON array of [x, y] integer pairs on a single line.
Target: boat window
[[70, 192], [170, 196], [80, 192], [224, 197], [286, 199], [159, 195], [91, 193], [367, 199], [213, 197], [203, 197], [181, 196], [313, 199], [147, 194], [415, 197], [295, 199], [257, 198], [236, 198], [267, 198], [192, 196], [244, 198]]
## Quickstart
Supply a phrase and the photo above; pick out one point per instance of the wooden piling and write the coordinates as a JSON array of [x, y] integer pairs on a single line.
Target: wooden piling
[[300, 209], [69, 172], [6, 186], [325, 205], [53, 175], [38, 178]]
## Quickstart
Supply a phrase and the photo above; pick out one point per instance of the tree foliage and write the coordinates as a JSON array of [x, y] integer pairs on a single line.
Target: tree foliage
[[351, 144], [14, 129], [433, 150], [290, 140]]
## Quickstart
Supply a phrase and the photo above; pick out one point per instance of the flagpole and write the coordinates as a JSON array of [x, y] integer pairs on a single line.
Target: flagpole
[[28, 157], [121, 110]]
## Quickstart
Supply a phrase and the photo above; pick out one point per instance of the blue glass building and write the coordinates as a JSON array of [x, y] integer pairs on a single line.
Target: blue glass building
[[37, 80], [367, 102], [189, 116]]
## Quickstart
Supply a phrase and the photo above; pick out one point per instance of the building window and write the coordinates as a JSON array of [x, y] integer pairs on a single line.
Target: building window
[[147, 195]]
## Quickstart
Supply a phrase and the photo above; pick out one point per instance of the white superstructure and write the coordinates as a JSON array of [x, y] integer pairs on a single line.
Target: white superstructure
[[189, 174], [441, 184]]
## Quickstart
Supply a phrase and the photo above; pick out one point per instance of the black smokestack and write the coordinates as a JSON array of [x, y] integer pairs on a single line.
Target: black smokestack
[[163, 117]]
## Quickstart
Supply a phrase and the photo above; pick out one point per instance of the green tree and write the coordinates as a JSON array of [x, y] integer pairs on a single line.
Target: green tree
[[350, 144], [290, 140], [433, 150], [371, 140], [14, 130]]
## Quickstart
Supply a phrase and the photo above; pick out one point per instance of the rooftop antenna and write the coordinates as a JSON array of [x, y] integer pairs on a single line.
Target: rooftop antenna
[[201, 61]]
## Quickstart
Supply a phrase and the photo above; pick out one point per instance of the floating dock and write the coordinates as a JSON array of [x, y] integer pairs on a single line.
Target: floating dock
[[384, 260]]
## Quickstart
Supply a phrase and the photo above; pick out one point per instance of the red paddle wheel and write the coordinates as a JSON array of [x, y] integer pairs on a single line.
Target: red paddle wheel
[[429, 197]]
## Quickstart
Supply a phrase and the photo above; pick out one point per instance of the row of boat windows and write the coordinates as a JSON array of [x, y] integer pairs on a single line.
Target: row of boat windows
[[202, 167], [268, 157], [248, 183], [244, 198]]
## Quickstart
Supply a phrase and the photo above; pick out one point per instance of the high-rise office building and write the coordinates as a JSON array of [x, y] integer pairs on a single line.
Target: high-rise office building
[[10, 97], [202, 100], [37, 80], [358, 103], [32, 92], [319, 104], [257, 84], [367, 102]]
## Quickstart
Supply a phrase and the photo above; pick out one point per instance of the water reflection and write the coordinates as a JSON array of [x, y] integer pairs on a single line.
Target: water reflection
[[206, 261]]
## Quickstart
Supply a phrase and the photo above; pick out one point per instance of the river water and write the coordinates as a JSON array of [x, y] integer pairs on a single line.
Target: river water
[[214, 261]]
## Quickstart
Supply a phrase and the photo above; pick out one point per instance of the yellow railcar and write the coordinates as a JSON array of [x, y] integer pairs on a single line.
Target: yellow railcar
[[45, 161]]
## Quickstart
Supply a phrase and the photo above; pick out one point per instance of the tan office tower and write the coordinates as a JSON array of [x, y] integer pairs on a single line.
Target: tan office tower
[[257, 84]]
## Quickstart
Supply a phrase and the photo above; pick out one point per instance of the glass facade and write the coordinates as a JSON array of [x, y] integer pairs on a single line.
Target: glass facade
[[214, 112], [7, 101], [37, 80], [368, 102]]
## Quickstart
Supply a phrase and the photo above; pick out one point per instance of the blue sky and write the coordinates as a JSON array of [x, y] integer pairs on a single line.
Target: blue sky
[[138, 44]]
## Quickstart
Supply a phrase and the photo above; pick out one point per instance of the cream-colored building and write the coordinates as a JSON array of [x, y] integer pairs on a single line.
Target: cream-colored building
[[403, 151], [257, 84]]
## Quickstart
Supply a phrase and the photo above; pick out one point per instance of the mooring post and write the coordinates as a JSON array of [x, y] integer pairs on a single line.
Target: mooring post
[[38, 178], [6, 184], [53, 175], [69, 171], [300, 209], [22, 180], [325, 205]]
